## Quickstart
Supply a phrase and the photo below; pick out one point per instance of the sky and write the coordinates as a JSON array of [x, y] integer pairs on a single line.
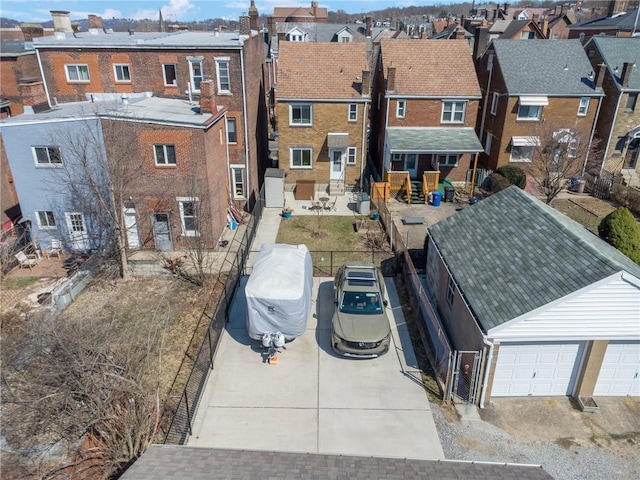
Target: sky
[[181, 10]]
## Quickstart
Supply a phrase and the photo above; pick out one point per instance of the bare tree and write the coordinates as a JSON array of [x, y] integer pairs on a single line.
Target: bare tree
[[555, 153]]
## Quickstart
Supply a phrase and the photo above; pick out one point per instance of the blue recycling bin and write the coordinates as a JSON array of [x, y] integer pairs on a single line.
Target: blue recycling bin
[[437, 198]]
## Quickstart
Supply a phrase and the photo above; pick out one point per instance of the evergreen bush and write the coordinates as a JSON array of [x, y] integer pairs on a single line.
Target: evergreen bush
[[621, 230]]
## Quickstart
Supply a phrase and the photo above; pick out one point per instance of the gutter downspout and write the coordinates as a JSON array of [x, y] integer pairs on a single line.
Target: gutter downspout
[[44, 79], [386, 135], [487, 369], [246, 127], [364, 139], [486, 95], [593, 131], [606, 150], [229, 177]]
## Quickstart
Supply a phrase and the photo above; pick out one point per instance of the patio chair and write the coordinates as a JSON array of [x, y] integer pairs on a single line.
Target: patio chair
[[331, 206], [54, 249], [25, 261]]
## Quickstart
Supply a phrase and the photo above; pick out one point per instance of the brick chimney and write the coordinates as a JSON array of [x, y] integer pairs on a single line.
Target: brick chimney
[[61, 21], [95, 21], [366, 82], [545, 27], [32, 91], [253, 16], [207, 97], [31, 31], [617, 6], [600, 75], [391, 78], [459, 33], [271, 25], [314, 9], [625, 75], [244, 25], [481, 40]]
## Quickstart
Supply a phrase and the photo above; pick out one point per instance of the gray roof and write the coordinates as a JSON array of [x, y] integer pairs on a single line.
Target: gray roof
[[514, 27], [434, 139], [511, 254], [553, 67], [323, 32], [618, 50], [15, 48], [624, 22], [144, 40], [168, 462]]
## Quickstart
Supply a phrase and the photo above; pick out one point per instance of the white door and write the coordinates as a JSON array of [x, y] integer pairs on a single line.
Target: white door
[[337, 164], [620, 371], [77, 231], [536, 369], [131, 224]]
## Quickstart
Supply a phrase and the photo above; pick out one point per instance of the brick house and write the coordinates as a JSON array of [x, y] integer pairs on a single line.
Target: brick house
[[619, 22], [524, 85], [618, 125], [20, 81], [171, 65], [323, 103], [423, 108]]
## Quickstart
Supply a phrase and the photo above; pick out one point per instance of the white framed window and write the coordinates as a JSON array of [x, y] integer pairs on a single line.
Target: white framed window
[[351, 155], [196, 73], [487, 144], [77, 73], [494, 103], [353, 112], [296, 37], [529, 112], [46, 219], [47, 155], [521, 153], [232, 135], [401, 108], [189, 215], [170, 74], [448, 160], [301, 158], [583, 107], [223, 74], [453, 112], [451, 291], [165, 154], [121, 73], [237, 177], [300, 114]]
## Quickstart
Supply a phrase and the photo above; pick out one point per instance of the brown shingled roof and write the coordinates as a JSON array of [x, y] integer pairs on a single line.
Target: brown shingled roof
[[321, 70], [431, 67]]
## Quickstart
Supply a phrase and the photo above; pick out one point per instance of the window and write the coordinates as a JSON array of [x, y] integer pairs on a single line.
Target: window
[[449, 160], [77, 73], [351, 156], [237, 176], [224, 78], [47, 155], [494, 103], [529, 112], [122, 73], [165, 154], [46, 219], [632, 101], [487, 144], [528, 35], [170, 76], [521, 153], [453, 112], [353, 112], [295, 37], [232, 136], [189, 215], [451, 290], [300, 158], [196, 73], [410, 161], [300, 115], [583, 107], [401, 108]]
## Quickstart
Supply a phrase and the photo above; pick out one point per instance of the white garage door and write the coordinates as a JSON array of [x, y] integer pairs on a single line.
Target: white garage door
[[538, 369], [619, 374]]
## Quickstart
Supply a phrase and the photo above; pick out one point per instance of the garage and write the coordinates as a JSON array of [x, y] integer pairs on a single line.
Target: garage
[[620, 371], [538, 369]]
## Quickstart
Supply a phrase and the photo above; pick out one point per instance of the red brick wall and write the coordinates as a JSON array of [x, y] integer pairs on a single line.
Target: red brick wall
[[13, 69]]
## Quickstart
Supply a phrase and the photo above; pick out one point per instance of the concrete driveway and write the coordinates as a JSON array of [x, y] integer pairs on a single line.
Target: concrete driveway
[[313, 401]]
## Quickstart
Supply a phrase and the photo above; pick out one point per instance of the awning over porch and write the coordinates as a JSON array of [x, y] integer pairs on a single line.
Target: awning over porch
[[337, 140], [433, 140]]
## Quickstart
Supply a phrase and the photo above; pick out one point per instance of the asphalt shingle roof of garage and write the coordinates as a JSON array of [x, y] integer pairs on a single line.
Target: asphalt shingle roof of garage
[[554, 67], [434, 139], [164, 462], [511, 254], [618, 50]]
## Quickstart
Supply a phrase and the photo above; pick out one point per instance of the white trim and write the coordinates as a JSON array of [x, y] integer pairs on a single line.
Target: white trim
[[494, 103], [355, 154], [401, 112], [291, 106], [79, 80], [583, 107], [46, 227], [166, 157], [219, 61], [349, 112], [525, 141], [192, 77], [234, 184], [533, 100], [164, 75], [48, 164], [181, 201], [115, 72], [301, 167], [454, 111]]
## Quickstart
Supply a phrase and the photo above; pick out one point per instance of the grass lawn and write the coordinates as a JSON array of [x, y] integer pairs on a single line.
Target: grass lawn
[[18, 283]]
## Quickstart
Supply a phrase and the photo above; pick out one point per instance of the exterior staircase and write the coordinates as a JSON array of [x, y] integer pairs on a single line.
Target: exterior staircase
[[337, 187], [417, 194]]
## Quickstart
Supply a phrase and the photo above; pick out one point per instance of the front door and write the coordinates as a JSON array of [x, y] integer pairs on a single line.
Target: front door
[[337, 164], [411, 164], [131, 224], [77, 231], [162, 232]]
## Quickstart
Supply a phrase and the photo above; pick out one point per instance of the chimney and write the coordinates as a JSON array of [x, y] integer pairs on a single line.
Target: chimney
[[535, 17], [448, 21], [600, 75], [459, 33], [32, 91], [95, 21], [61, 21], [271, 25], [244, 25], [207, 98], [314, 8], [506, 9], [481, 39], [31, 31], [617, 6], [253, 16], [545, 27], [366, 82], [367, 21], [391, 78], [626, 74]]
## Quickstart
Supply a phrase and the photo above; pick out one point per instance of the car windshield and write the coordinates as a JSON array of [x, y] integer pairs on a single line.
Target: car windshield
[[367, 303]]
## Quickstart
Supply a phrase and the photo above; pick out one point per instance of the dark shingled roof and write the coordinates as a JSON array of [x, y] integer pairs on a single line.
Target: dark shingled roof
[[511, 254], [168, 462], [624, 22], [618, 50]]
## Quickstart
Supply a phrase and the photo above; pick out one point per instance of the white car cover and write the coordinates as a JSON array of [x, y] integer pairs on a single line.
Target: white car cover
[[279, 291]]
